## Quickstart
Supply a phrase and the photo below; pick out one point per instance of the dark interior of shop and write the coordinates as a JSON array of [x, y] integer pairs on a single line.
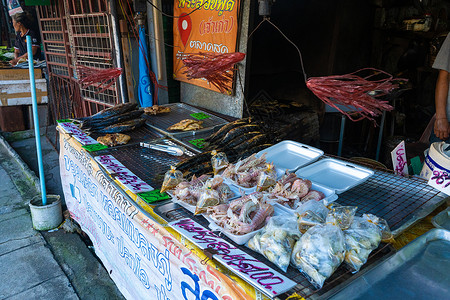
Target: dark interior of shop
[[340, 37]]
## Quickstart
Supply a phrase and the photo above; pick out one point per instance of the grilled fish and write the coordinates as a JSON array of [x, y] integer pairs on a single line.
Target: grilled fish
[[240, 139], [114, 139], [253, 142], [194, 160], [255, 149], [156, 109], [224, 130], [109, 112], [186, 125], [235, 132], [124, 126], [99, 124]]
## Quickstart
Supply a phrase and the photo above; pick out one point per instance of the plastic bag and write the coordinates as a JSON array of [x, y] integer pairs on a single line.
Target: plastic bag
[[276, 240], [311, 213], [267, 178], [341, 216], [171, 179], [360, 239], [386, 234], [208, 197], [219, 161], [319, 252]]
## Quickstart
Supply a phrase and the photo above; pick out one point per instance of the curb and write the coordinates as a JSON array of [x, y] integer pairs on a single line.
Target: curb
[[26, 170]]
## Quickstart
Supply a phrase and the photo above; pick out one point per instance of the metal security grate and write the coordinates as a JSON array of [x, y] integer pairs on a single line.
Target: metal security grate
[[172, 211], [148, 164]]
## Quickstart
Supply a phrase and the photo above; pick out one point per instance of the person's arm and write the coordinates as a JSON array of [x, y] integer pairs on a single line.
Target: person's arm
[[441, 125], [25, 56], [14, 61]]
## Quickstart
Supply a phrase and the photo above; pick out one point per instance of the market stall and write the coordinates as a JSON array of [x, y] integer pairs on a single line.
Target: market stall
[[152, 244]]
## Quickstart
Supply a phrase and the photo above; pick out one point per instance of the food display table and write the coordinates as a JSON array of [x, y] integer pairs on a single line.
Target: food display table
[[154, 248]]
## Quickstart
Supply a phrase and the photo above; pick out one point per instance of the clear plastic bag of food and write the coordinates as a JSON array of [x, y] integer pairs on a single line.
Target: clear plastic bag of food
[[341, 216], [386, 234], [361, 238], [276, 240], [171, 179], [219, 161], [208, 197], [267, 178], [311, 213], [319, 252]]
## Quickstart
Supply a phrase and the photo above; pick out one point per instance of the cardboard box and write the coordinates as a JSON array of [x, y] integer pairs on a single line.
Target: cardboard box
[[19, 74], [18, 92]]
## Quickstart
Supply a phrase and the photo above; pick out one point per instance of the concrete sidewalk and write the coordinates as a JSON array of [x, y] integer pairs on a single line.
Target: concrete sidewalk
[[41, 265], [29, 270]]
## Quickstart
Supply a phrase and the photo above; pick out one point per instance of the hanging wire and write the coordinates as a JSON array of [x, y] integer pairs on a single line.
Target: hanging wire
[[181, 16], [267, 19], [298, 50]]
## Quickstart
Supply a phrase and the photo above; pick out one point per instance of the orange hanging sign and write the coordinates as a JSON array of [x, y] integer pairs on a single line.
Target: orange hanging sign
[[213, 27]]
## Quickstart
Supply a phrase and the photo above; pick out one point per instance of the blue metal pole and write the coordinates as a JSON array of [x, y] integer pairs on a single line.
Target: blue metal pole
[[36, 120]]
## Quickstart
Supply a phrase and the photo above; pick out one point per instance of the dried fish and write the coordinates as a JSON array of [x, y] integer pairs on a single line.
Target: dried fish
[[236, 132], [102, 123], [224, 130], [109, 112], [113, 139], [186, 125], [156, 110], [124, 126]]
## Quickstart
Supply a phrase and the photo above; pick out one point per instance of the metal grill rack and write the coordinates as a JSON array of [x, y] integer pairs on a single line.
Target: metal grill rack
[[172, 211], [185, 137], [181, 111], [148, 164], [394, 198]]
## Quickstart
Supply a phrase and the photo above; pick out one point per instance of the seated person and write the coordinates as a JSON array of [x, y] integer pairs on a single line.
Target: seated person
[[21, 24]]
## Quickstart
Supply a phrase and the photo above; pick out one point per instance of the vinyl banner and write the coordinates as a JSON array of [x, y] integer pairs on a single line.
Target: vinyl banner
[[142, 256], [212, 27]]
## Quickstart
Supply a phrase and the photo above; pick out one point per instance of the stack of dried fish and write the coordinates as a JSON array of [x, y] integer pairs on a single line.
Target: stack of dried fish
[[241, 136], [120, 118], [238, 140]]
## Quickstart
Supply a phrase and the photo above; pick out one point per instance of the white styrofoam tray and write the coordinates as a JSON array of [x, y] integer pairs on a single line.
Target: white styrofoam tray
[[330, 196], [335, 174], [290, 155]]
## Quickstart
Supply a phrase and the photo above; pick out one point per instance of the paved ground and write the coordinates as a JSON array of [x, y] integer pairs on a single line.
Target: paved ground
[[38, 265]]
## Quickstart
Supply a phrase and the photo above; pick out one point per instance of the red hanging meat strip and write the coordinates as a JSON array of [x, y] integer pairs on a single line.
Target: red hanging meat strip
[[216, 68], [355, 93], [99, 78]]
